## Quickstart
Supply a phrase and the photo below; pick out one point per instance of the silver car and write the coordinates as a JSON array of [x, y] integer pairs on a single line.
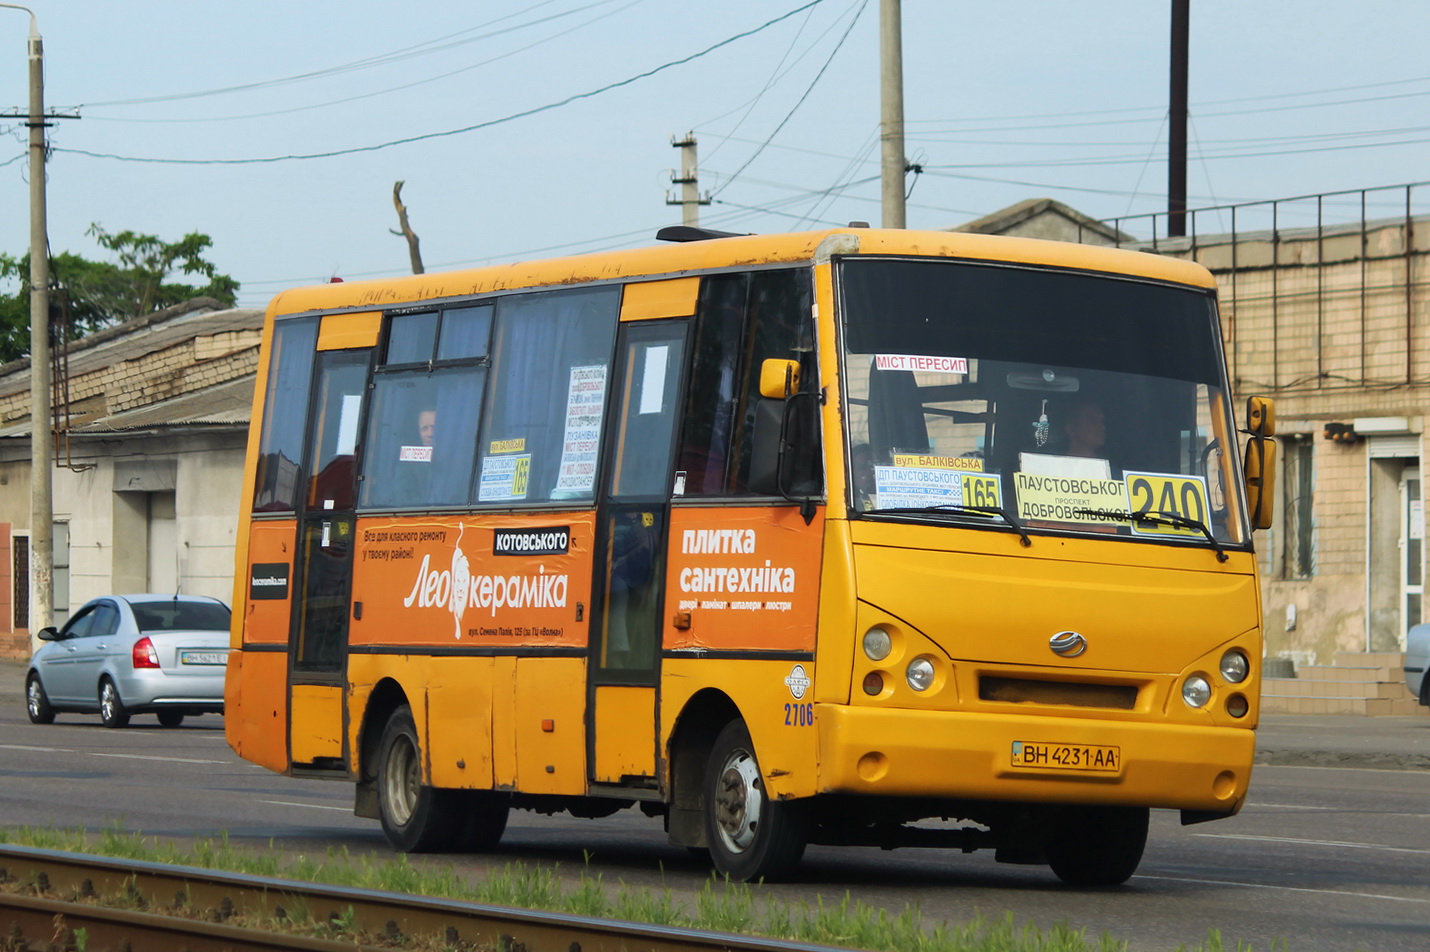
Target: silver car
[[132, 654], [1417, 663]]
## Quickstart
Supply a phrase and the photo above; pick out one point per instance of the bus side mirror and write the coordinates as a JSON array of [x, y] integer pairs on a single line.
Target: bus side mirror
[[779, 378], [1260, 473], [1260, 416]]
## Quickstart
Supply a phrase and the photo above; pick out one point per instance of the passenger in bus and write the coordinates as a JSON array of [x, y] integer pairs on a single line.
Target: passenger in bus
[[861, 473], [426, 425]]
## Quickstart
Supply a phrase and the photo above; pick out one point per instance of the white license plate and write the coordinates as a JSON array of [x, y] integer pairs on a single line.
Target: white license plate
[[1039, 755], [203, 657]]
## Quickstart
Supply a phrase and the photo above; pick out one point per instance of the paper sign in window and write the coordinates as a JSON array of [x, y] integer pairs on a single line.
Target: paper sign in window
[[653, 380]]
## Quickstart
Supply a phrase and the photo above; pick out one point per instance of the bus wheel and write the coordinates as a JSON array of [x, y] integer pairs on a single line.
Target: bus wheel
[[483, 819], [751, 837], [1096, 846], [415, 817]]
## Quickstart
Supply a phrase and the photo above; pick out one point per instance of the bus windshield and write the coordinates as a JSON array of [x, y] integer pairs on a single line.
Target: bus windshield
[[1041, 400]]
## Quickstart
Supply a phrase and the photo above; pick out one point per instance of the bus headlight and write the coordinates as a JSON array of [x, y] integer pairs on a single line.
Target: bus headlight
[[920, 674], [877, 644], [1196, 691], [1235, 667]]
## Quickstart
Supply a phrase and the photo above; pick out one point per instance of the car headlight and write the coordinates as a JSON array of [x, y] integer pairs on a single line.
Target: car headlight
[[1196, 691], [1235, 667], [877, 644], [920, 674]]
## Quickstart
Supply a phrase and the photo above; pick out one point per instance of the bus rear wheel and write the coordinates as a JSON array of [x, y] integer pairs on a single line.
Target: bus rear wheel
[[750, 836], [415, 817], [1096, 846]]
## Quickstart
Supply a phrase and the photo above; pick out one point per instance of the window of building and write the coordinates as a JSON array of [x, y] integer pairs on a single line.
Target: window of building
[[551, 362], [741, 320], [1298, 538]]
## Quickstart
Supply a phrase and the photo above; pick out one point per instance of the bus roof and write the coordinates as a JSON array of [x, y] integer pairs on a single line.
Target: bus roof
[[681, 258]]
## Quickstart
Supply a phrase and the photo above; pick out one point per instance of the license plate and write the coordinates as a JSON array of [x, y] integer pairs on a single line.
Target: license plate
[[1047, 756], [203, 657]]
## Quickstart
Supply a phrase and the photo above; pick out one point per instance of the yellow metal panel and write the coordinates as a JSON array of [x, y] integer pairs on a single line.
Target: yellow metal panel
[[255, 709], [459, 725], [625, 733], [504, 723], [317, 722], [551, 692], [346, 331], [651, 299]]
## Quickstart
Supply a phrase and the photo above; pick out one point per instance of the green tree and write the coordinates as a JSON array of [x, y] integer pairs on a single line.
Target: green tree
[[103, 293]]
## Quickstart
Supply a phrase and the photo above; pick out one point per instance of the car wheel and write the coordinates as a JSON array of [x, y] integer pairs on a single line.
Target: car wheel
[[1096, 846], [751, 837], [37, 704], [111, 708], [415, 817], [170, 718]]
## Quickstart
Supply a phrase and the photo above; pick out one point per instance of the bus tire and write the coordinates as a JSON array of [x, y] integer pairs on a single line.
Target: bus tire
[[483, 819], [1096, 846], [415, 817], [750, 836]]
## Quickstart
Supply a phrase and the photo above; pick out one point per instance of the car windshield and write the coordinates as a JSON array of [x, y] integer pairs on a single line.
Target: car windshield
[[180, 616], [1061, 401]]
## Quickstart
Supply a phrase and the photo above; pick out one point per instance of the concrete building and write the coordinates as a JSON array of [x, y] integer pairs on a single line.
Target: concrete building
[[153, 427]]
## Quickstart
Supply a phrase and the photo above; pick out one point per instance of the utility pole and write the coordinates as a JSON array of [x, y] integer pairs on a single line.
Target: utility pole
[[42, 556], [1177, 126], [891, 102], [688, 179]]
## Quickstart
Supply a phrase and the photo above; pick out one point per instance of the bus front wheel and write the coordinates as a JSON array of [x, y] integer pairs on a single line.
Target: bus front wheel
[[751, 837], [1096, 846], [415, 817]]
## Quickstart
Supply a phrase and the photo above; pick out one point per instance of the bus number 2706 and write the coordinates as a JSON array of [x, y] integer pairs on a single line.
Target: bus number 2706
[[799, 715]]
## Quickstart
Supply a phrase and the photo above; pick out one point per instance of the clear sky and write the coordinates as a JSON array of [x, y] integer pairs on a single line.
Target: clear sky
[[1004, 101]]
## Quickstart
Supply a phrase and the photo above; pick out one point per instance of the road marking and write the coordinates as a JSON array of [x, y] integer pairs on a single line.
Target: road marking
[[1291, 839], [1304, 889], [38, 750], [1290, 806], [311, 806], [173, 760]]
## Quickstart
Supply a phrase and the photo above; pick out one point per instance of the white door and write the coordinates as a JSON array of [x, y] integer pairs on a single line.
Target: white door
[[163, 544]]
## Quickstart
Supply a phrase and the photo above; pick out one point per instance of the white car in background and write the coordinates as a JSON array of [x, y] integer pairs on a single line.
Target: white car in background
[[1417, 663], [132, 654]]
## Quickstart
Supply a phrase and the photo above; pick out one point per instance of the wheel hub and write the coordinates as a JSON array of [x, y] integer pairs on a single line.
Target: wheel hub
[[738, 799]]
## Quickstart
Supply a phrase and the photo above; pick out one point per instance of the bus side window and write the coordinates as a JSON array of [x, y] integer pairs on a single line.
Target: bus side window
[[742, 319], [285, 414], [541, 428]]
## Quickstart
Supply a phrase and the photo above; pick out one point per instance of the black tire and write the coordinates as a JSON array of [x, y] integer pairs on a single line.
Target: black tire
[[483, 816], [1096, 846], [37, 703], [170, 718], [111, 708], [415, 817], [750, 836]]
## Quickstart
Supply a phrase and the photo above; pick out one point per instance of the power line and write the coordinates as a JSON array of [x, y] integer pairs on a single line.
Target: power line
[[452, 132]]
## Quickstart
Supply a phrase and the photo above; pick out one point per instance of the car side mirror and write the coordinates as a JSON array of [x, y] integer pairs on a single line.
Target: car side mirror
[[48, 634]]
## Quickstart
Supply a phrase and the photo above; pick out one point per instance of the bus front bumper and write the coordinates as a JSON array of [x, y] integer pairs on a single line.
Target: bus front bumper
[[1038, 759]]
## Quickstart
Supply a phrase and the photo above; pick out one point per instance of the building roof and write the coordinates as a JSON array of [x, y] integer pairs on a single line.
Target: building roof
[[188, 365], [1045, 218]]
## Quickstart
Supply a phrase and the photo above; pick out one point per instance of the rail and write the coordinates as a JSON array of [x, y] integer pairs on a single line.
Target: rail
[[48, 895]]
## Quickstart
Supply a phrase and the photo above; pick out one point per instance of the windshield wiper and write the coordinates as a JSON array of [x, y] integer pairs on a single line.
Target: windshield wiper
[[1171, 520], [1003, 511]]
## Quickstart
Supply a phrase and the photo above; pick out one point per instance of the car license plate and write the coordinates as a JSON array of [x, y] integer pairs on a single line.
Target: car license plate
[[1047, 756], [203, 657]]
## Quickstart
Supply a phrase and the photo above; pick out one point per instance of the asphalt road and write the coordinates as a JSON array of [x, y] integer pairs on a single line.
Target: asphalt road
[[1328, 858]]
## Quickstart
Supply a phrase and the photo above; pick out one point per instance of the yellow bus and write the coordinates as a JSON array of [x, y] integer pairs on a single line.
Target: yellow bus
[[785, 539]]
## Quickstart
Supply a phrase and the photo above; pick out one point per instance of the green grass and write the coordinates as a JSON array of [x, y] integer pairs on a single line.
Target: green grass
[[720, 905]]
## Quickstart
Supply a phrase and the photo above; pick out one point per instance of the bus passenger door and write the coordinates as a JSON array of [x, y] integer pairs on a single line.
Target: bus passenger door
[[326, 533], [632, 525]]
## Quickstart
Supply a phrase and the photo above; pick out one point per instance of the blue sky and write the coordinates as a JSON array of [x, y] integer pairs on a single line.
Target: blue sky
[[1004, 101]]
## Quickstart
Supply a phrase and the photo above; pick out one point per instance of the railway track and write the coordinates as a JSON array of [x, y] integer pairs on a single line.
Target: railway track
[[47, 897]]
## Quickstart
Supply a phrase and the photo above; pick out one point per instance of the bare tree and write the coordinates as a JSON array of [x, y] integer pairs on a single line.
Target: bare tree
[[413, 251]]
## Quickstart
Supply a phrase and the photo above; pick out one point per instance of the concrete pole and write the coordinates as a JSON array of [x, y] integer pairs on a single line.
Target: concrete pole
[[42, 556], [891, 102], [688, 180]]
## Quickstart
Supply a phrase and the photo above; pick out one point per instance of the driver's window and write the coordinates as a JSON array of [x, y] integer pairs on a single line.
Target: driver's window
[[106, 620], [80, 624]]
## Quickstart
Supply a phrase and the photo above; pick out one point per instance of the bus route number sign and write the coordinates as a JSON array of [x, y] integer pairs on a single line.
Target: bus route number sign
[[1159, 494], [981, 491]]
